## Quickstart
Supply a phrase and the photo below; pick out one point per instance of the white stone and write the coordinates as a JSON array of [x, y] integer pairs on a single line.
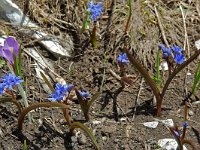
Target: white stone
[[169, 144], [197, 44], [163, 66], [152, 124]]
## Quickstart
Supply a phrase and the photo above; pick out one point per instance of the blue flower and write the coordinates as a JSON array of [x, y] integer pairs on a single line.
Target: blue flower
[[60, 92], [57, 96], [177, 49], [95, 10], [2, 88], [10, 80], [185, 124], [179, 58], [123, 58], [84, 94], [166, 51]]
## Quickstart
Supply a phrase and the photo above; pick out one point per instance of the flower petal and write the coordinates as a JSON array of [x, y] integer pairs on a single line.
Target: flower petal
[[11, 43], [8, 56]]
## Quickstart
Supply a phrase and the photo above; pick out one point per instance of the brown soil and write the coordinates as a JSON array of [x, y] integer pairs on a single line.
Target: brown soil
[[120, 114]]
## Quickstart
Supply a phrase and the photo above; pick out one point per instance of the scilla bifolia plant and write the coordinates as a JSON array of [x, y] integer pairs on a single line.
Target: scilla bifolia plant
[[180, 138], [177, 57], [95, 11], [85, 103], [59, 98], [11, 53]]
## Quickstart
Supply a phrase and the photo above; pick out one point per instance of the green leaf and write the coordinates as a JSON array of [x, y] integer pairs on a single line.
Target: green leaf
[[26, 110], [17, 63], [25, 145], [196, 82], [47, 82], [86, 22], [2, 63], [158, 76], [94, 97], [87, 130]]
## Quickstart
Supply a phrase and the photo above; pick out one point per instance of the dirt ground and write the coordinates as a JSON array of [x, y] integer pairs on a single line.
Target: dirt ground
[[116, 119]]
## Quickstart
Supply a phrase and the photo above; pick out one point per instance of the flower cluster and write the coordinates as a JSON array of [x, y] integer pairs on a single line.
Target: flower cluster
[[95, 10], [61, 92], [9, 49], [122, 58], [8, 82], [178, 56]]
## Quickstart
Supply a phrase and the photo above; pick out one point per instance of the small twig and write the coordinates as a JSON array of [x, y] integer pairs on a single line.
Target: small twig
[[161, 28], [115, 75], [186, 43], [137, 99]]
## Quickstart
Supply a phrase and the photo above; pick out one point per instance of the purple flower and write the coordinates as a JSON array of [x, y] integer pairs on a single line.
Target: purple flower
[[177, 133], [70, 87], [84, 94], [185, 124], [95, 10], [60, 92], [10, 48], [166, 51], [179, 58], [123, 58], [177, 49]]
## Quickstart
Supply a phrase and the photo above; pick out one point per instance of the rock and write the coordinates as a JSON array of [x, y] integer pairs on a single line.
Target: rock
[[152, 124], [190, 113], [96, 122], [116, 140], [104, 138], [74, 139], [82, 139], [1, 133]]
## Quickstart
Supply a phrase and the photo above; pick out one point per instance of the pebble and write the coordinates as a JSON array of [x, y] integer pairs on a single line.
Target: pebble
[[190, 113], [1, 133], [116, 140], [74, 139], [96, 122], [104, 138], [82, 139]]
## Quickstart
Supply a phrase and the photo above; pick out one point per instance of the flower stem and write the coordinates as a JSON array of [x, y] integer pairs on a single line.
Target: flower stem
[[93, 36]]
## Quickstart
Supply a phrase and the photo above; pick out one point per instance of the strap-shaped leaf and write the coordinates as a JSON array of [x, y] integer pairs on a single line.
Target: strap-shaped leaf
[[47, 82], [38, 105], [87, 130], [25, 145], [94, 97]]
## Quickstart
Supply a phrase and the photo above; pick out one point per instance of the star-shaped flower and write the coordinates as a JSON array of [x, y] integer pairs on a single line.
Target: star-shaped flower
[[122, 58], [61, 91], [166, 51], [177, 49], [95, 10], [179, 58]]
